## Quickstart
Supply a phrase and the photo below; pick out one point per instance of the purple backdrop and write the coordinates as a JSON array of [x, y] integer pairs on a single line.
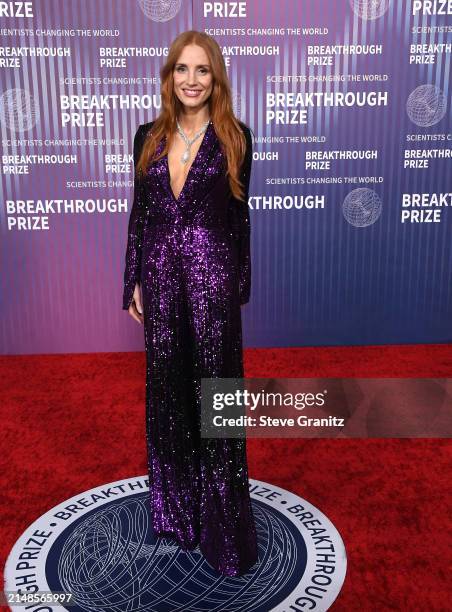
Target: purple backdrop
[[352, 118]]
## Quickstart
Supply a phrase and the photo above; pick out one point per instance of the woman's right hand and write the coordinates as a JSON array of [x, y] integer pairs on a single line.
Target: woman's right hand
[[136, 306]]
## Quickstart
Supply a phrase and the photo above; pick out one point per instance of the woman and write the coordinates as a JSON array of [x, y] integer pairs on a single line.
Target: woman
[[187, 274]]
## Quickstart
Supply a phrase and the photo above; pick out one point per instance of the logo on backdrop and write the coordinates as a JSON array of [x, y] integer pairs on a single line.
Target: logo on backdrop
[[156, 10], [19, 110], [100, 547], [426, 105], [362, 207], [369, 9]]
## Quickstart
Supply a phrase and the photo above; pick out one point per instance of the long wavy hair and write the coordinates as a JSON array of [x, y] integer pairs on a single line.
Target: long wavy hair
[[227, 127]]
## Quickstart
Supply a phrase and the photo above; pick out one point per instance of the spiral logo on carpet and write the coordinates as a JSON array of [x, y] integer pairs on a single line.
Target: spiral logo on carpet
[[99, 547]]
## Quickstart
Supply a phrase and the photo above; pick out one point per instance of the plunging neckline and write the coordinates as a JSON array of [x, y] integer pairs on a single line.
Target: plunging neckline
[[203, 141]]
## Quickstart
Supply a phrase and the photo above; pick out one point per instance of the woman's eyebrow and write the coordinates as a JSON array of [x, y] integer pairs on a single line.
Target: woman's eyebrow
[[198, 66]]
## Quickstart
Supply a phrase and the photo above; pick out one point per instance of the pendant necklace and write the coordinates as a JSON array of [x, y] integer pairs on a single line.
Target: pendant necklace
[[188, 142]]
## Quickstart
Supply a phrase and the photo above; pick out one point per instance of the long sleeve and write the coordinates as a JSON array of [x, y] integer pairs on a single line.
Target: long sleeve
[[241, 222], [135, 228]]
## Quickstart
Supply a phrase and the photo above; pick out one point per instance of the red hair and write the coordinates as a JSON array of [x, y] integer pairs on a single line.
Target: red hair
[[227, 127]]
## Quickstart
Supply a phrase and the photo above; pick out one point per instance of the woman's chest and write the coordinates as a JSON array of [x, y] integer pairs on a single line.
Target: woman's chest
[[201, 182], [180, 160]]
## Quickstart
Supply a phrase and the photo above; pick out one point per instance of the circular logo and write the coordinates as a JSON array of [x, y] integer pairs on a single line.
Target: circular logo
[[156, 10], [361, 207], [99, 547], [369, 9], [19, 110], [426, 105]]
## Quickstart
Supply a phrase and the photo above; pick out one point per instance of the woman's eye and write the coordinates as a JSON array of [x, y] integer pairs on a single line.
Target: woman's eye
[[202, 70]]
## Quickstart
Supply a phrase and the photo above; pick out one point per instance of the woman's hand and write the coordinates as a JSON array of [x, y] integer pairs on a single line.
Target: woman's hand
[[136, 306]]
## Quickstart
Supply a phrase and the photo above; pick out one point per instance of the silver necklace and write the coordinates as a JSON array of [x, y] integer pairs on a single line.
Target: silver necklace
[[188, 142]]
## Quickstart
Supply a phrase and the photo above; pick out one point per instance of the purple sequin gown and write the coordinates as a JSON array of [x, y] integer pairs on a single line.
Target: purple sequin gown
[[192, 257]]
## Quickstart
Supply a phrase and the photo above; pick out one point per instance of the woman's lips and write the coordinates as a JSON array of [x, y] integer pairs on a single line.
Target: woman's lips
[[191, 93]]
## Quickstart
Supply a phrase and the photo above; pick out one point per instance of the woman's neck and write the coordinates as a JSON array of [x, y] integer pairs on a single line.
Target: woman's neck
[[192, 122]]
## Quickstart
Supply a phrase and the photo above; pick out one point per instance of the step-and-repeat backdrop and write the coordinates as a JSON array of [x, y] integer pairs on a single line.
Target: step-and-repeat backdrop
[[350, 105]]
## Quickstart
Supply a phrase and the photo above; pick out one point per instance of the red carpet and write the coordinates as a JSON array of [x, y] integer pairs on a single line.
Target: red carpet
[[71, 422]]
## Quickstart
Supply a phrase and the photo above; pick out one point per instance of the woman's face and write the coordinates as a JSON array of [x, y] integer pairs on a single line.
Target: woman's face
[[193, 77]]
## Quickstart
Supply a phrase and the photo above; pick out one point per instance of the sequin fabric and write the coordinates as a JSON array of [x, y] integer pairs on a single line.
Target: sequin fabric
[[191, 255]]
